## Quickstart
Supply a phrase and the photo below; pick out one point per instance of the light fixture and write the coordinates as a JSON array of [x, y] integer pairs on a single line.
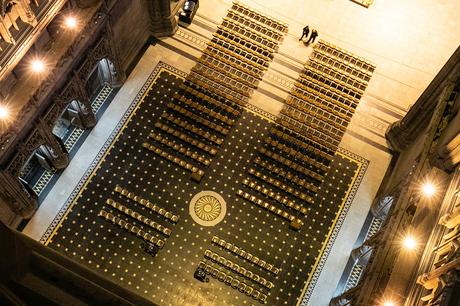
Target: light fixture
[[70, 22], [428, 189], [409, 242], [37, 65], [4, 112], [389, 303]]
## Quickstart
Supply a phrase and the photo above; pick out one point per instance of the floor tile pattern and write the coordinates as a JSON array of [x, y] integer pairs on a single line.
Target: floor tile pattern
[[262, 260]]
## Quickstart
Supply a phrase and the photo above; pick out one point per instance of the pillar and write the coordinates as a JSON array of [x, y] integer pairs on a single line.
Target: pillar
[[21, 201], [57, 153], [162, 18], [87, 117]]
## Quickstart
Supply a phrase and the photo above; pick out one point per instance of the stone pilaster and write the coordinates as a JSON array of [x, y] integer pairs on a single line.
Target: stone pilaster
[[21, 201], [163, 20], [58, 155]]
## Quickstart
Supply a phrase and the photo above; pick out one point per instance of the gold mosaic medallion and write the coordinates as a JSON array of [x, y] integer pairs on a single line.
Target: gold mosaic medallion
[[207, 208]]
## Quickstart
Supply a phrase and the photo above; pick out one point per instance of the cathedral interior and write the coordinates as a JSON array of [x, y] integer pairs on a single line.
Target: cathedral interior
[[185, 152]]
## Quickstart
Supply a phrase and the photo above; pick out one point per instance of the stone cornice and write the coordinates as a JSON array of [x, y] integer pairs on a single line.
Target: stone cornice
[[403, 132]]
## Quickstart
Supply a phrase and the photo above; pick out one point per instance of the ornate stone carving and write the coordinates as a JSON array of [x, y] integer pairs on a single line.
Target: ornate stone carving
[[57, 152], [447, 261], [10, 11], [41, 95], [163, 18], [20, 200], [381, 207]]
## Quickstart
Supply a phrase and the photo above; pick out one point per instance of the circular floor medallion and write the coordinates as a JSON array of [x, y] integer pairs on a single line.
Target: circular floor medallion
[[207, 208]]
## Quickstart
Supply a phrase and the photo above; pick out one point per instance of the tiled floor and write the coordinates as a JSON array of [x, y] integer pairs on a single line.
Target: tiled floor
[[167, 279], [380, 33]]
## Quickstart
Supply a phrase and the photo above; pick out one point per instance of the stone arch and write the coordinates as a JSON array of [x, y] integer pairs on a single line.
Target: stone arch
[[102, 59]]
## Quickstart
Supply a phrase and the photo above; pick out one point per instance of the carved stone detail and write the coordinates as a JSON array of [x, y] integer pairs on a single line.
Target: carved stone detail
[[57, 152], [10, 11], [22, 202], [163, 19]]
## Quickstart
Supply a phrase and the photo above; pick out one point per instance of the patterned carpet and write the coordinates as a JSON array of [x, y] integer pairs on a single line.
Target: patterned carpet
[[114, 248]]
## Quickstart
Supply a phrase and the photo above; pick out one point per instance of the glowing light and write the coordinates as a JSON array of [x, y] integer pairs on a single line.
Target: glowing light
[[37, 66], [389, 303], [428, 189], [4, 112], [409, 242], [70, 22]]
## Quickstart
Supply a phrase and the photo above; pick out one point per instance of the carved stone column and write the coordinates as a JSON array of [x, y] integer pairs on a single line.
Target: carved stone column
[[361, 254], [21, 201], [401, 133], [381, 207], [162, 18], [58, 155], [87, 117]]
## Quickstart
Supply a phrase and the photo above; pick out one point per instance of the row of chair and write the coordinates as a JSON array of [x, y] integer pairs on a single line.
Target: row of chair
[[336, 73], [260, 17], [180, 148], [295, 223], [308, 132], [186, 138], [131, 228], [309, 101], [245, 255], [320, 113], [204, 109], [255, 25], [203, 121], [242, 43], [280, 185], [344, 55], [307, 83], [233, 282], [326, 127], [278, 197], [344, 107], [176, 160], [334, 80], [190, 89], [322, 153], [146, 203], [332, 61], [285, 174], [225, 68], [215, 87], [234, 49], [253, 34], [328, 89], [292, 152], [239, 63], [192, 128], [253, 40], [223, 79], [238, 269], [286, 160], [247, 60], [135, 215]]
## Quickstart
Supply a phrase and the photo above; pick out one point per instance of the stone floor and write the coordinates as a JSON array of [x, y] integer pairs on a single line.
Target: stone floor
[[81, 234], [380, 33]]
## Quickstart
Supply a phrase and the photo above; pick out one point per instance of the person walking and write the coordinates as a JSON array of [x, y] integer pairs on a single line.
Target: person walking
[[313, 36], [305, 32]]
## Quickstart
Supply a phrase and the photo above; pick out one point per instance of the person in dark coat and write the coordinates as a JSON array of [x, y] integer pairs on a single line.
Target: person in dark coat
[[313, 36], [305, 32]]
